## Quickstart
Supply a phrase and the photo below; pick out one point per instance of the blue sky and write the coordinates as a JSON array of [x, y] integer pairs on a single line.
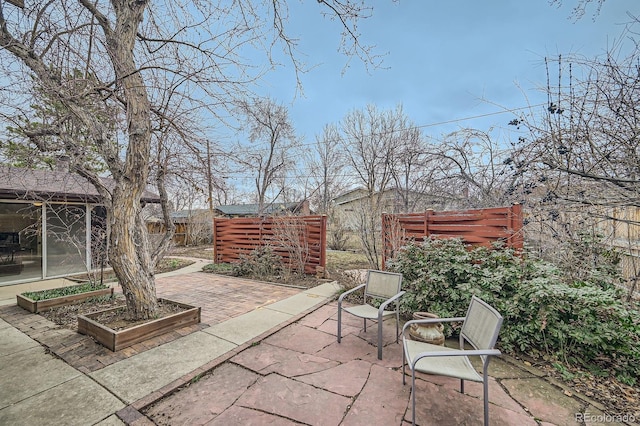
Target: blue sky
[[445, 60]]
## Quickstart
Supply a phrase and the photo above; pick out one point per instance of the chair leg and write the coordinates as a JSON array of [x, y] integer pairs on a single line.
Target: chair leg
[[404, 362], [365, 324], [485, 386], [379, 337], [339, 321], [397, 325], [413, 396]]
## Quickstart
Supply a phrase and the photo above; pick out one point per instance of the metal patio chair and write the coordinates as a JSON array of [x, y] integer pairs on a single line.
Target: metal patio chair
[[480, 328], [379, 285]]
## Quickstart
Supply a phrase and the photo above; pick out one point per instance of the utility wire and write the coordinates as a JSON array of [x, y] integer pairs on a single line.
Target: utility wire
[[422, 126], [240, 175]]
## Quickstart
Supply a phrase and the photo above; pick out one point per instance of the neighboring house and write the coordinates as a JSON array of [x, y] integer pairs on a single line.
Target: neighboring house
[[51, 224], [348, 203], [193, 227], [274, 209]]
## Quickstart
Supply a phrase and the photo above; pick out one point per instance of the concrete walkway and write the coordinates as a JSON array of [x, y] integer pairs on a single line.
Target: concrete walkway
[[278, 363]]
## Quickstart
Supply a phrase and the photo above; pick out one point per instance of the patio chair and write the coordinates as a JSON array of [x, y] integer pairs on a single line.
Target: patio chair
[[480, 328], [379, 285]]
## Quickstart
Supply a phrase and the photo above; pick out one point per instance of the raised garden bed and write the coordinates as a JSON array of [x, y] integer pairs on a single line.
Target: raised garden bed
[[119, 339], [41, 305]]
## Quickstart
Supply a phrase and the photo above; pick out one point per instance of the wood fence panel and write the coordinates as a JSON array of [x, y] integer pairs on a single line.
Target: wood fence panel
[[474, 227], [233, 238]]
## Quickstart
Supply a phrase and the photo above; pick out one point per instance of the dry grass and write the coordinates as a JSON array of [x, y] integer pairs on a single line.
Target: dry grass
[[338, 261]]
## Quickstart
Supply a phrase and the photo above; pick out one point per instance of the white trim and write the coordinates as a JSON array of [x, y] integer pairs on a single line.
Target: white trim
[[44, 240], [87, 237]]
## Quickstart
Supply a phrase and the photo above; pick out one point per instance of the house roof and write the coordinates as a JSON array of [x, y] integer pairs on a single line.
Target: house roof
[[252, 209], [180, 216], [53, 185], [361, 193], [183, 214], [349, 196]]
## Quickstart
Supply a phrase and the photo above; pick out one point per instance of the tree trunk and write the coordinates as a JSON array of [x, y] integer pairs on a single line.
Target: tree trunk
[[130, 254]]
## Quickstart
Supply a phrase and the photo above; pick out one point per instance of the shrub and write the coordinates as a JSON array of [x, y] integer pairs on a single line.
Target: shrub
[[217, 268], [262, 262], [545, 313]]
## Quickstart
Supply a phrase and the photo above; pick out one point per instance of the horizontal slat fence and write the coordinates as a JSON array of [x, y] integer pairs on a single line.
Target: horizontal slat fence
[[235, 237], [475, 227]]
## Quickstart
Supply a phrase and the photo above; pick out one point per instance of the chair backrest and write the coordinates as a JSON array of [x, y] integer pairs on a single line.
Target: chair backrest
[[482, 324], [382, 285]]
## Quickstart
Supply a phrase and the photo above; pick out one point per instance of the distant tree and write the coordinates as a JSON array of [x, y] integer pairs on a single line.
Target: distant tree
[[325, 164], [470, 168], [370, 142], [413, 169], [273, 141]]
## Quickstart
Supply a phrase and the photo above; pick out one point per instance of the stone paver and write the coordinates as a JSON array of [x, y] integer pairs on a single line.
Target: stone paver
[[265, 358], [346, 379], [296, 401], [301, 338], [543, 400], [205, 399], [431, 400], [383, 398], [244, 416]]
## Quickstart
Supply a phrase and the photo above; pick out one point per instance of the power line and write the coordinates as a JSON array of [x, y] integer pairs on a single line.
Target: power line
[[424, 126]]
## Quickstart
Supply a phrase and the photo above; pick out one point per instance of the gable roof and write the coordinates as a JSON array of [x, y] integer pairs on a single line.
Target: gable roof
[[53, 185]]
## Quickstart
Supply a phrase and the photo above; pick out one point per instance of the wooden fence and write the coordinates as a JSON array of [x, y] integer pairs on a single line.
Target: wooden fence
[[474, 227], [294, 238]]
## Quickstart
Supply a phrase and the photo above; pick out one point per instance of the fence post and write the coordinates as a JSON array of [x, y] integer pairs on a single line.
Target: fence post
[[215, 242], [427, 219], [516, 239], [385, 240], [323, 241]]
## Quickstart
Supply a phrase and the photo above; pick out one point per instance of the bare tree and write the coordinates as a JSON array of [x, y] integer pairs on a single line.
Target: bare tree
[[370, 142], [579, 159], [273, 139], [107, 66], [325, 166], [413, 169], [290, 233], [581, 7], [583, 147], [470, 168]]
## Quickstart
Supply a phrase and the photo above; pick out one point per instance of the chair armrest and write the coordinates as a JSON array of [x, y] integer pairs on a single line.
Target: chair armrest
[[431, 321], [350, 291], [386, 302], [474, 352], [470, 352]]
